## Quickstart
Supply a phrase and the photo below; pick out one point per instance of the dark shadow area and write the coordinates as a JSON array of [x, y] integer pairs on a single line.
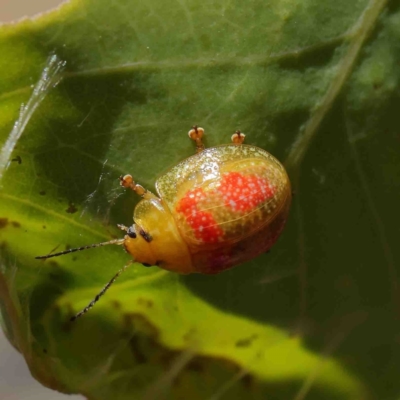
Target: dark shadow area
[[73, 155]]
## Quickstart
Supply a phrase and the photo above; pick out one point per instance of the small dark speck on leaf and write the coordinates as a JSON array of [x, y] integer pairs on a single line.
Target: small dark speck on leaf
[[15, 224], [17, 159], [71, 209], [42, 192], [116, 304], [45, 351], [3, 222], [44, 226], [188, 335], [246, 342], [145, 302]]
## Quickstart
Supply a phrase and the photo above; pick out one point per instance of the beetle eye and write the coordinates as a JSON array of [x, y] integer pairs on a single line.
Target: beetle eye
[[131, 232], [146, 236]]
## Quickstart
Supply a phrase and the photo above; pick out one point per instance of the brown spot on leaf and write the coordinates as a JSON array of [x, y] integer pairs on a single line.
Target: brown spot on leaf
[[17, 159], [116, 304], [137, 322], [42, 192], [188, 335], [71, 209], [15, 224], [246, 342], [3, 222], [145, 302]]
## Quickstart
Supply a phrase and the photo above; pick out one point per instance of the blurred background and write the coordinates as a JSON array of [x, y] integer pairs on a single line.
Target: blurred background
[[11, 10], [16, 382]]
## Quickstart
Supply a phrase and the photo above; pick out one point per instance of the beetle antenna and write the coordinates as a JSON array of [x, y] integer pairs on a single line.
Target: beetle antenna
[[105, 288], [90, 246]]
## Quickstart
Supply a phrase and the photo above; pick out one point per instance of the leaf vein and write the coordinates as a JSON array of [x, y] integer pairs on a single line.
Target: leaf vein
[[53, 214], [359, 33]]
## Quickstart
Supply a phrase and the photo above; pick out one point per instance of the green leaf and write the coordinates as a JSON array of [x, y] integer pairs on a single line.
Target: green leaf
[[316, 83]]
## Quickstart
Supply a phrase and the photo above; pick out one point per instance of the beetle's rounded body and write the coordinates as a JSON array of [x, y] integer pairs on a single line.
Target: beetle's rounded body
[[218, 208]]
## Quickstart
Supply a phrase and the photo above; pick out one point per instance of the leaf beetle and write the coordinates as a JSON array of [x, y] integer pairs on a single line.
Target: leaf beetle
[[218, 208]]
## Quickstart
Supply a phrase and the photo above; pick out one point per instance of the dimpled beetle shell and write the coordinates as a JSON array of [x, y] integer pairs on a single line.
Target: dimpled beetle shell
[[218, 208]]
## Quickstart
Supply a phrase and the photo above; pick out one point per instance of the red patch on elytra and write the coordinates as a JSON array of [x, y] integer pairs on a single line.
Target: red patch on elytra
[[204, 226], [245, 192], [203, 223], [188, 203], [238, 192]]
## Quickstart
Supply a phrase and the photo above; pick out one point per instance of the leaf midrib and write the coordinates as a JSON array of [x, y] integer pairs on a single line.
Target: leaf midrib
[[359, 33]]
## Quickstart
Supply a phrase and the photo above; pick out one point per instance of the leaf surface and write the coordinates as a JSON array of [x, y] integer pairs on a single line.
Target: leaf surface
[[315, 83]]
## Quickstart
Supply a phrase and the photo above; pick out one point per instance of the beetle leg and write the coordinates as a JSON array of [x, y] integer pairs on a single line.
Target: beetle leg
[[196, 133], [128, 182], [238, 137]]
